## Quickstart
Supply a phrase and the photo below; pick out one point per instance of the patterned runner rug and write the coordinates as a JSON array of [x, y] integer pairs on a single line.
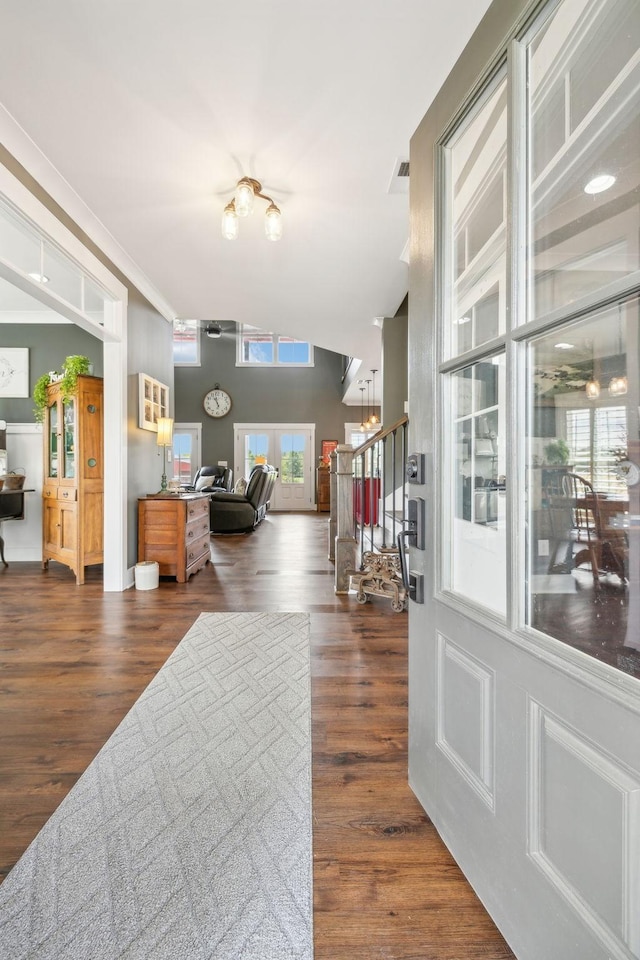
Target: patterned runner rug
[[189, 836]]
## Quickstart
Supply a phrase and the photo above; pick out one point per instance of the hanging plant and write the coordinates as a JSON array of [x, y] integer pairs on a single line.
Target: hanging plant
[[73, 367], [40, 396]]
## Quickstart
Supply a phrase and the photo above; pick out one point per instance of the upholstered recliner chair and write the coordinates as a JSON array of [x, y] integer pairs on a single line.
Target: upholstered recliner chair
[[213, 478], [240, 512]]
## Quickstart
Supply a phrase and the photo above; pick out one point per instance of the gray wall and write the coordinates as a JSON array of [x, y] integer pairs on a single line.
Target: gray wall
[[260, 395], [395, 358], [48, 345], [149, 343]]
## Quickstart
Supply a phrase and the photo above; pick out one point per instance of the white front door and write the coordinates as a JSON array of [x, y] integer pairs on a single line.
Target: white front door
[[289, 448], [525, 657]]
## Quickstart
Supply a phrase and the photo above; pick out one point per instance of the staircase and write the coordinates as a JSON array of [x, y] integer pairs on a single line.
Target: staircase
[[368, 496]]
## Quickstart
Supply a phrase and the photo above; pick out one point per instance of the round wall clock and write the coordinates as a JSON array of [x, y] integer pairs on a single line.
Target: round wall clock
[[628, 471], [217, 402]]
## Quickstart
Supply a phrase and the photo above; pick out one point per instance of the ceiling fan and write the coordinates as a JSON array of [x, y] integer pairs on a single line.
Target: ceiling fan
[[213, 329]]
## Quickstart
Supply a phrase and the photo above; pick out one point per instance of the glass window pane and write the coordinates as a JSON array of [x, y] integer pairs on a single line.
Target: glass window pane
[[584, 486], [95, 301], [182, 457], [291, 458], [64, 277], [256, 449], [292, 351], [476, 208], [476, 536], [257, 348], [584, 107], [186, 342]]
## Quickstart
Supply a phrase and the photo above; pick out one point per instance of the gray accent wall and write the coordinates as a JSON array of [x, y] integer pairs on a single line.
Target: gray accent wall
[[48, 345], [395, 358], [260, 395]]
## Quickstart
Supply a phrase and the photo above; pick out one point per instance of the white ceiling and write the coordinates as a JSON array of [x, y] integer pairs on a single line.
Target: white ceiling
[[151, 110]]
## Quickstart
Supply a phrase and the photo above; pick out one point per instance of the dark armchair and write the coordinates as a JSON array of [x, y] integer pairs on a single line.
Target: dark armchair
[[213, 478], [241, 512]]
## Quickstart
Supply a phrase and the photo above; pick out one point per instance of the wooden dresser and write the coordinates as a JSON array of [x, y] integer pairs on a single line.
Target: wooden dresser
[[174, 531]]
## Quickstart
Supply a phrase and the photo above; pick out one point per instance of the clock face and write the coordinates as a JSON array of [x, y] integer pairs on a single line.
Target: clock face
[[217, 403], [629, 471]]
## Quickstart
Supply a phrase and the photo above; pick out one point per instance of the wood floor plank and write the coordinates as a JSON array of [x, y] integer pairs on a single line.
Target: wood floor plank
[[73, 660]]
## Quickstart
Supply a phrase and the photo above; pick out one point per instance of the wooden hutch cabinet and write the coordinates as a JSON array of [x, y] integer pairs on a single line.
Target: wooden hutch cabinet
[[72, 493]]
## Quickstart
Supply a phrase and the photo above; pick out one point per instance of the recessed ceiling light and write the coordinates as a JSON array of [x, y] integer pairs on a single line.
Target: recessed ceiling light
[[39, 277], [600, 183], [564, 346], [463, 320]]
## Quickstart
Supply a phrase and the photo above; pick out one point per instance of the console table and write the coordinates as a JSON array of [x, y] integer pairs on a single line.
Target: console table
[[11, 508], [174, 531]]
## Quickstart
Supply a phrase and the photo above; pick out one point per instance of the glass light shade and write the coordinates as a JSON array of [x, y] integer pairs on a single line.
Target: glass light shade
[[230, 222], [165, 431], [592, 389], [600, 183], [618, 386], [243, 198], [273, 222]]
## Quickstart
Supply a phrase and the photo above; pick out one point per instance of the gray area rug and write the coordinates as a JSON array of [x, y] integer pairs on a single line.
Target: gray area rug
[[189, 836]]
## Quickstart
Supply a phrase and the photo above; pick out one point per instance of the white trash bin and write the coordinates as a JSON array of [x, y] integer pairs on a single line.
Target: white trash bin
[[146, 575]]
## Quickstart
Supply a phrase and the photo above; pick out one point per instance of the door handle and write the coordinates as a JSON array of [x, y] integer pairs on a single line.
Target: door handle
[[413, 582]]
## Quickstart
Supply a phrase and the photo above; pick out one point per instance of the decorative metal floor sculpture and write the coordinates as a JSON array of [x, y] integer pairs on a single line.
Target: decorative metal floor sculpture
[[380, 576]]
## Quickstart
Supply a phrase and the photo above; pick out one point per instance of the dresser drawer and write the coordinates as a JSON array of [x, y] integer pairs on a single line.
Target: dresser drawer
[[67, 493], [196, 509], [198, 550], [196, 529]]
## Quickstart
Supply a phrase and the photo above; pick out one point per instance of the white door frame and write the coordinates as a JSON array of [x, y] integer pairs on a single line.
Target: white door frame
[[238, 453], [114, 339]]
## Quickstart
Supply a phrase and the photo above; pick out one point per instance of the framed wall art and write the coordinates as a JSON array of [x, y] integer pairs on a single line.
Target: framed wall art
[[14, 371], [327, 448], [153, 402]]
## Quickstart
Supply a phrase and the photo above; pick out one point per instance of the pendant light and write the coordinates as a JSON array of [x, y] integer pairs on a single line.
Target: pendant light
[[374, 419], [247, 189]]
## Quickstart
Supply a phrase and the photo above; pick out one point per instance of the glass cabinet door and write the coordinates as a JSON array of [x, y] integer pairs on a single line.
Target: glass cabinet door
[[52, 470], [69, 418]]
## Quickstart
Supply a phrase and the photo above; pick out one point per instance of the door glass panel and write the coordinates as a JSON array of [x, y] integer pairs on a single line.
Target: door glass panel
[[476, 567], [53, 440], [475, 203], [584, 130], [256, 450], [183, 456], [584, 486], [292, 458], [69, 416]]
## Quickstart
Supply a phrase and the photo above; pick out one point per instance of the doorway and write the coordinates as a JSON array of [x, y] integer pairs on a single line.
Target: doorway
[[289, 448]]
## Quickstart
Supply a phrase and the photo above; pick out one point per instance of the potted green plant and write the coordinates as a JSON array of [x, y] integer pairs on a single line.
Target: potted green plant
[[73, 367], [557, 452]]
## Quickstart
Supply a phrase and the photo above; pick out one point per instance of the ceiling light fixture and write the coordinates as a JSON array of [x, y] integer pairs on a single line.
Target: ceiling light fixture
[[242, 205], [39, 277], [213, 330], [592, 389], [600, 183], [374, 419], [564, 346], [618, 386]]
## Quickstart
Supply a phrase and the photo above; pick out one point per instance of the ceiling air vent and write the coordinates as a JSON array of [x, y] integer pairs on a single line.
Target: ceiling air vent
[[399, 182]]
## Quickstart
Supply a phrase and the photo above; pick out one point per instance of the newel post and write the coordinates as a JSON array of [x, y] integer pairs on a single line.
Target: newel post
[[345, 540], [333, 508]]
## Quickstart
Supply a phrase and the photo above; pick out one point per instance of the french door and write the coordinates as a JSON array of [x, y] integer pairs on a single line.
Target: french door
[[525, 657], [289, 448]]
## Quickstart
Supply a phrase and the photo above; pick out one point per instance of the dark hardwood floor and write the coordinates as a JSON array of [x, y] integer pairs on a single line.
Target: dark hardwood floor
[[73, 660]]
